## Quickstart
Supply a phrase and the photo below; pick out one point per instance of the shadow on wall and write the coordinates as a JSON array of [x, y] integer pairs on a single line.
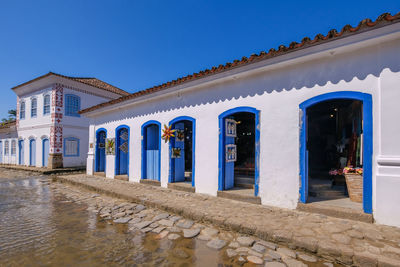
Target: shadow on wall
[[330, 69]]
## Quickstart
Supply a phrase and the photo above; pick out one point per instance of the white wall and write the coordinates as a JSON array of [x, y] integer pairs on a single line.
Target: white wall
[[40, 119], [277, 93]]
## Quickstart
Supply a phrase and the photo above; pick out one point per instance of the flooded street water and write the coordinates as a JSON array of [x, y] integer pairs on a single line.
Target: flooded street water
[[41, 225]]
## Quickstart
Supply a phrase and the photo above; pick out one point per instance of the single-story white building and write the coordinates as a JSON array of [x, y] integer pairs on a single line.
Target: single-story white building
[[284, 125]]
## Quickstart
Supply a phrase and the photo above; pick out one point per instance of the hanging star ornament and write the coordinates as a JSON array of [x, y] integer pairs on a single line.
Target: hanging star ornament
[[167, 133]]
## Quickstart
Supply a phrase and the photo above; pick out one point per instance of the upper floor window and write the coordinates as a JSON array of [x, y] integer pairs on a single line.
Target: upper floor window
[[22, 110], [46, 105], [33, 107], [13, 147], [71, 147], [6, 148], [72, 105]]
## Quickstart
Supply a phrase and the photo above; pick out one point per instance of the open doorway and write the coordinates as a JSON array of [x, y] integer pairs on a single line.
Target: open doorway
[[336, 150], [182, 151], [239, 151]]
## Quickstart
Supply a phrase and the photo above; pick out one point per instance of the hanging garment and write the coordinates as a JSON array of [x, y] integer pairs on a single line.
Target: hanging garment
[[352, 151]]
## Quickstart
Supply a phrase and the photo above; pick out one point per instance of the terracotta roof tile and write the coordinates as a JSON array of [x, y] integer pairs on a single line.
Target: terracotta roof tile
[[364, 25], [88, 81]]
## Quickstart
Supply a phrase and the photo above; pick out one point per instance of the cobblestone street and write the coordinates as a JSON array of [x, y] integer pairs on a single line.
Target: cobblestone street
[[340, 240]]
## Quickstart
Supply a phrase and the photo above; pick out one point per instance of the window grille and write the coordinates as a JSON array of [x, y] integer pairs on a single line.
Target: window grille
[[13, 147], [46, 105], [72, 105], [71, 147], [33, 107], [22, 110]]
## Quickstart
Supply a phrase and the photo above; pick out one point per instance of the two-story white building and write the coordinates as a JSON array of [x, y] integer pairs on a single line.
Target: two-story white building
[[281, 125], [49, 131]]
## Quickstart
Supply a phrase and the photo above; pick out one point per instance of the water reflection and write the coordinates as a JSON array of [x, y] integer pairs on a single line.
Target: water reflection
[[40, 227], [44, 224]]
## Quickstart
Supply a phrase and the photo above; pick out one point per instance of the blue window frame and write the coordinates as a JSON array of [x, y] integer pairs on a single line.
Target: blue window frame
[[46, 104], [33, 107], [71, 147], [72, 105], [22, 110]]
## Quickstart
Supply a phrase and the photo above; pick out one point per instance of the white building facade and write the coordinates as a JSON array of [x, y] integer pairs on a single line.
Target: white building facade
[[8, 143], [49, 131], [276, 90]]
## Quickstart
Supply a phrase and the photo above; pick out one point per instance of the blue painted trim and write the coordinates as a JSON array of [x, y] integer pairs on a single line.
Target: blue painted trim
[[66, 105], [95, 150], [44, 139], [193, 120], [73, 139], [143, 170], [117, 145], [221, 153], [368, 141], [20, 159]]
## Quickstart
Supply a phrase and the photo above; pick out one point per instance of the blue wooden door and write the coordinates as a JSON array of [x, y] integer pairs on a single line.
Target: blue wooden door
[[32, 152], [1, 152], [45, 155], [152, 152], [229, 172], [101, 151], [21, 152], [123, 151], [179, 162]]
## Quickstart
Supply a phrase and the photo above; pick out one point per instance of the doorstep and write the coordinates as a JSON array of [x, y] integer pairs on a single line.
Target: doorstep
[[240, 194], [150, 182], [182, 186], [339, 208], [122, 177], [102, 174]]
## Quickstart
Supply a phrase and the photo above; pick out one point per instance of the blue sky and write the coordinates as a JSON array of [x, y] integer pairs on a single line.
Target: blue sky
[[138, 44]]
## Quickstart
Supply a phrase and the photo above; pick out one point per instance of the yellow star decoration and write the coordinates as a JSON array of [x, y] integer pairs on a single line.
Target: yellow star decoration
[[167, 133]]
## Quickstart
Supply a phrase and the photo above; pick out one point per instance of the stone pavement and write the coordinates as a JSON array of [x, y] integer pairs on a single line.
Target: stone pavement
[[344, 241]]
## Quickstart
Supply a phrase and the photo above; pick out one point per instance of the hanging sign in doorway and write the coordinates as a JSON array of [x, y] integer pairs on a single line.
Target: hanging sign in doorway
[[110, 146], [176, 153], [230, 128], [230, 153], [180, 136]]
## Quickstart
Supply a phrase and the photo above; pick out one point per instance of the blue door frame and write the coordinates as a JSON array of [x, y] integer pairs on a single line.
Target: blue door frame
[[21, 152], [221, 146], [100, 153], [144, 174], [121, 158], [171, 163], [32, 152], [45, 151], [367, 151], [1, 151]]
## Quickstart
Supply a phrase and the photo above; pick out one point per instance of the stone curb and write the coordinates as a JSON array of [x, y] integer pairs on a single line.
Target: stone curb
[[44, 171], [325, 249]]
